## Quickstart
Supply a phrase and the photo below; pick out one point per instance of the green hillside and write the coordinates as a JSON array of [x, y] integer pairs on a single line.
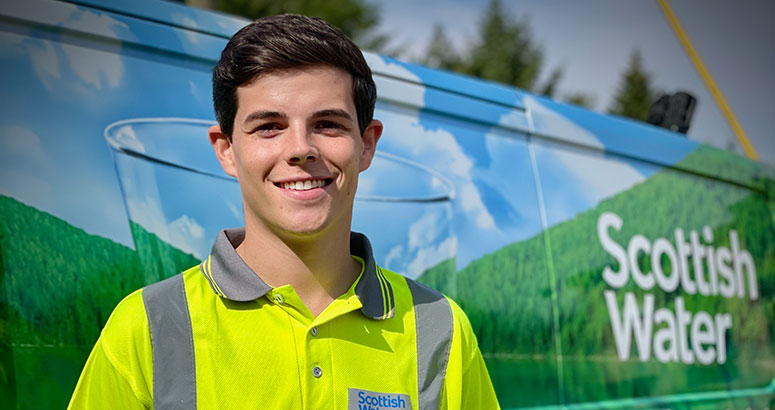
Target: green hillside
[[61, 283], [58, 285], [508, 294]]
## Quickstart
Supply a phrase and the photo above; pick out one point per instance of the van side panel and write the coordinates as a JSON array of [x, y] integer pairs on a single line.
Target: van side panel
[[664, 280], [69, 249], [603, 263]]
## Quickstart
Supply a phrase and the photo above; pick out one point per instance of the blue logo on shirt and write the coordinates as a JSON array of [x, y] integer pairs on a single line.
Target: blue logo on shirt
[[368, 400]]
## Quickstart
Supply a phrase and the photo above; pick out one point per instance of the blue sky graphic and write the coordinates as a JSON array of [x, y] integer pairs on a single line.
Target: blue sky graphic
[[57, 157]]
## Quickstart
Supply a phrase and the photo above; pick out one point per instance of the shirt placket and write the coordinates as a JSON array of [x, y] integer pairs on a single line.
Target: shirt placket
[[318, 373]]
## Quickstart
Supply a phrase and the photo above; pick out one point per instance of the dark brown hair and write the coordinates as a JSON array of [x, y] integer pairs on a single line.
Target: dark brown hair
[[285, 42]]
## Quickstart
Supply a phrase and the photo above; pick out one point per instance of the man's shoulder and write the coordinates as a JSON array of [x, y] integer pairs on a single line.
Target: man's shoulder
[[421, 293], [129, 318], [128, 314]]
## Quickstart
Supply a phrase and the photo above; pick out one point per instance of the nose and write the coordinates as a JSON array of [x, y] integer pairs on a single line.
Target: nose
[[301, 148]]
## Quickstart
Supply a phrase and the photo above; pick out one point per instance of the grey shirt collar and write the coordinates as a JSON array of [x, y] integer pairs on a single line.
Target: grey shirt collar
[[231, 278]]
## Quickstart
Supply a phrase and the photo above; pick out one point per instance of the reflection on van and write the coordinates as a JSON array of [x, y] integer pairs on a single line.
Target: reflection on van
[[603, 263]]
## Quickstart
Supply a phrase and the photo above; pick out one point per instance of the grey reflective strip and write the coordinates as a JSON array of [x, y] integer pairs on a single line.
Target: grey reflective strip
[[172, 343], [433, 319]]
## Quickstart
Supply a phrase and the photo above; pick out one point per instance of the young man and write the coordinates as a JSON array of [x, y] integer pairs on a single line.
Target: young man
[[290, 312]]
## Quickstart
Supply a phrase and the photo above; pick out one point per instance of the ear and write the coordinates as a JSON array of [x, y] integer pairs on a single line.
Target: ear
[[223, 149], [370, 137]]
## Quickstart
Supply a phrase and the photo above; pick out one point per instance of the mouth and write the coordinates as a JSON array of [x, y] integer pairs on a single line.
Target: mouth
[[304, 185]]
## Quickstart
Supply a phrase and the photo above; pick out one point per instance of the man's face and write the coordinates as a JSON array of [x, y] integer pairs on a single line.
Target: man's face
[[297, 150]]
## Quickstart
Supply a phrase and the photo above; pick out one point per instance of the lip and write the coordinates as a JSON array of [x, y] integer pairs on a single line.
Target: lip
[[306, 194]]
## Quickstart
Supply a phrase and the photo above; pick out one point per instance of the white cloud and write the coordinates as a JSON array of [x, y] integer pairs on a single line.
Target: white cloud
[[599, 177], [94, 68], [126, 137], [428, 242], [45, 62], [423, 230], [187, 34], [188, 227], [546, 121], [514, 119], [10, 42], [379, 65], [21, 142], [472, 203], [394, 255], [184, 233], [187, 235], [438, 183], [431, 256], [394, 90], [440, 151], [100, 24], [98, 69], [147, 213]]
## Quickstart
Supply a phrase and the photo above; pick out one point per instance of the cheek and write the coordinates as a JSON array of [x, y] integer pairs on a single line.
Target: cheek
[[348, 154], [252, 161]]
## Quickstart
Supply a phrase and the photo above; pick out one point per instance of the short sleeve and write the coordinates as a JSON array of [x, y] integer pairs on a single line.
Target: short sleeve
[[478, 392], [467, 382], [118, 372]]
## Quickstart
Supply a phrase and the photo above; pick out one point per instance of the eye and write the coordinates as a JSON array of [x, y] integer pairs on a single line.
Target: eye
[[328, 126], [267, 129]]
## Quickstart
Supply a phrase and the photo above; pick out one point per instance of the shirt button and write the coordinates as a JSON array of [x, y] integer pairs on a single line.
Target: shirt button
[[314, 331], [279, 298], [317, 372]]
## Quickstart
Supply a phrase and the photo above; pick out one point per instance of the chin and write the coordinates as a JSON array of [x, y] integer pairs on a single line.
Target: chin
[[305, 228]]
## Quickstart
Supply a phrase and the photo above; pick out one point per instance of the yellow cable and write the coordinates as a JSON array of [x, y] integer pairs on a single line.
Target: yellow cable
[[705, 74]]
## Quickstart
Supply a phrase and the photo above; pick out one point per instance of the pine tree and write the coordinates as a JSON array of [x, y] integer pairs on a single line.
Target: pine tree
[[635, 92], [504, 50], [440, 52], [581, 99], [355, 18]]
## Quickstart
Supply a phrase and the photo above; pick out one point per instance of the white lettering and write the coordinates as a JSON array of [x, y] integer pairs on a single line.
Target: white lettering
[[703, 333], [613, 278], [723, 259], [674, 335], [663, 247], [723, 323], [665, 335], [639, 243], [698, 253], [707, 234], [684, 337], [684, 251], [683, 318], [742, 259], [629, 322]]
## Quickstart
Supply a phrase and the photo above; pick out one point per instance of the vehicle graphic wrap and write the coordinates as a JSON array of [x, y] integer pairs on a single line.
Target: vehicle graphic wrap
[[603, 263]]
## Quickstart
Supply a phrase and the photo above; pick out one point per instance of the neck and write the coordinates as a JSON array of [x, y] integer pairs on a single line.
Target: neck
[[319, 267]]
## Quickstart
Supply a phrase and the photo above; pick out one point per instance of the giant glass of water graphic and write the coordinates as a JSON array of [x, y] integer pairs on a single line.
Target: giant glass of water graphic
[[174, 188]]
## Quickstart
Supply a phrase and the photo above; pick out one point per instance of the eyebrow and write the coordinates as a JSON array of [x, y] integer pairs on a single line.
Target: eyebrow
[[332, 113], [262, 115]]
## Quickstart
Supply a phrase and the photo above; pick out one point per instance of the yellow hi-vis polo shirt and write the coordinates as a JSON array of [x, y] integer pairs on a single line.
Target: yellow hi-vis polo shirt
[[217, 337]]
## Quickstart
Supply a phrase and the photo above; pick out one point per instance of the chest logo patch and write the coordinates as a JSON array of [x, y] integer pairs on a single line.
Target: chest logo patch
[[358, 399]]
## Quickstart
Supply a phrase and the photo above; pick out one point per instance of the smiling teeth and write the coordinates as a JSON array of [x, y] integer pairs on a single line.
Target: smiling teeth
[[303, 186]]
